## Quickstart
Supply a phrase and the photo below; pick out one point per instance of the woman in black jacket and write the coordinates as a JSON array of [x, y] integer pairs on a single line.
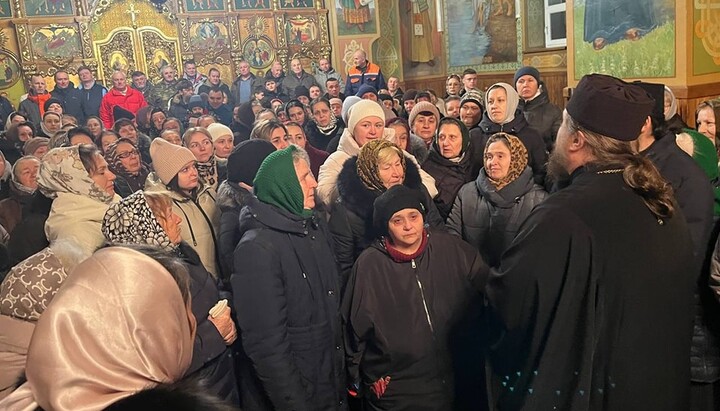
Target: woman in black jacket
[[502, 115], [125, 161], [450, 162], [379, 166], [412, 311], [148, 218], [324, 126]]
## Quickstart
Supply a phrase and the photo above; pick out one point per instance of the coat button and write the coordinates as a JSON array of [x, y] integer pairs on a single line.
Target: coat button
[[331, 292], [337, 347], [305, 232], [312, 237]]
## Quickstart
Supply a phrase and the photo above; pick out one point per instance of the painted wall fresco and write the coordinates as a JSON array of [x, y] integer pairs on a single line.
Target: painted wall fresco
[[628, 39], [56, 41], [706, 40], [35, 8], [355, 17], [9, 70], [421, 42], [5, 9], [252, 4], [483, 34]]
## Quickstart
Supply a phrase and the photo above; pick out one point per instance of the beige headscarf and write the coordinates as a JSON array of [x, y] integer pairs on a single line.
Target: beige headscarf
[[513, 99], [108, 334], [518, 158]]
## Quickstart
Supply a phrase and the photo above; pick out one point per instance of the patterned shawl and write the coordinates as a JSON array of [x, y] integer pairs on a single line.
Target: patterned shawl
[[132, 221], [62, 171]]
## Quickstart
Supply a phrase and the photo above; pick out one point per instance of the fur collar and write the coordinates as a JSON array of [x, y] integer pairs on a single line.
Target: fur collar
[[358, 198]]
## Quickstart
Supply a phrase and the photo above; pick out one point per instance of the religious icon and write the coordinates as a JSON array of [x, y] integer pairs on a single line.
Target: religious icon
[[258, 53], [9, 70], [118, 61], [56, 41], [160, 59], [48, 8]]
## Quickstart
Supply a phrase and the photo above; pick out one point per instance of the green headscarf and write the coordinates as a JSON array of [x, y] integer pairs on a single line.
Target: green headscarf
[[277, 183], [706, 157]]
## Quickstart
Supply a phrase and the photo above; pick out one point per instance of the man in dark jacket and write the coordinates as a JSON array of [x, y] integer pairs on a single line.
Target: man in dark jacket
[[214, 81], [286, 293], [70, 97], [6, 108], [244, 85], [216, 107], [91, 91], [141, 83], [594, 269], [539, 112], [298, 77]]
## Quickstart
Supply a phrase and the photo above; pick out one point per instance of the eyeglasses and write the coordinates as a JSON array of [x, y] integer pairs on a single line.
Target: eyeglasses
[[127, 154]]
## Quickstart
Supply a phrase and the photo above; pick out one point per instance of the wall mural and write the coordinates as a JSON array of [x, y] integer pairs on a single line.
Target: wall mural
[[483, 34], [204, 5], [706, 42], [420, 39], [628, 39], [209, 35], [355, 17], [56, 41], [9, 70], [35, 8], [5, 9], [252, 4]]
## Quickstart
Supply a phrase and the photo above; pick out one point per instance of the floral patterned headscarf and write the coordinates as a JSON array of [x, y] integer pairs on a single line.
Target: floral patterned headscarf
[[132, 221], [62, 171], [518, 158], [367, 163]]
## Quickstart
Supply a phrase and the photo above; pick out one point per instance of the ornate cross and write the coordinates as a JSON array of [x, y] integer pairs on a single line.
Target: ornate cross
[[132, 11]]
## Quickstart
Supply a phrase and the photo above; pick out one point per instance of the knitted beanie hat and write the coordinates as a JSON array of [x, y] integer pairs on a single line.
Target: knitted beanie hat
[[218, 130], [277, 183], [473, 96], [364, 89], [168, 159], [421, 107], [245, 160], [195, 101], [53, 100], [35, 143], [363, 109], [396, 198], [526, 70], [347, 105]]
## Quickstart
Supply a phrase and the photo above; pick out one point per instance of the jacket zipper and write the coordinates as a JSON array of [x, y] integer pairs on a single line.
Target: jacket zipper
[[422, 295]]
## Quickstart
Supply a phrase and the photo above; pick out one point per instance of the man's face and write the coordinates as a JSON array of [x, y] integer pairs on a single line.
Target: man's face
[[168, 74], [139, 81], [215, 99], [118, 80], [296, 66], [214, 76], [359, 59], [85, 75], [527, 86], [392, 84], [276, 69], [38, 84], [62, 80], [187, 93], [469, 81], [333, 88], [314, 92], [244, 69], [307, 183], [470, 114], [190, 70], [324, 64]]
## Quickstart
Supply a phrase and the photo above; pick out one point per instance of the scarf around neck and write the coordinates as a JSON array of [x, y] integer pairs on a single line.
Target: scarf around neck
[[207, 172]]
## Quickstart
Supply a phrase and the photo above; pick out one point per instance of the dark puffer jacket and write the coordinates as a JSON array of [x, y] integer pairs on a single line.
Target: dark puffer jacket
[[543, 116], [418, 322], [319, 140], [449, 177], [518, 127], [231, 198], [286, 299], [489, 219], [212, 359], [351, 219]]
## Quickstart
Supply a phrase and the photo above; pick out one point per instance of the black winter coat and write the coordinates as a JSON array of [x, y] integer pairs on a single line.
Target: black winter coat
[[351, 220], [543, 116], [286, 299], [72, 100], [32, 226], [212, 359], [418, 322], [489, 219], [449, 177], [518, 127], [318, 139], [231, 198]]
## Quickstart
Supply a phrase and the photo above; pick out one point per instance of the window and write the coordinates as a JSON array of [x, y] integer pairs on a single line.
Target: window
[[555, 27]]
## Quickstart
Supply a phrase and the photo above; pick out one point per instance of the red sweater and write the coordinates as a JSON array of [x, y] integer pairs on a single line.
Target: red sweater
[[132, 101]]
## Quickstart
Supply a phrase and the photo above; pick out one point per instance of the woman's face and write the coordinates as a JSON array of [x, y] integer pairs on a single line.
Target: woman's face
[[40, 152], [321, 113], [188, 177], [172, 125], [26, 172], [173, 138], [102, 176], [368, 129], [106, 140], [401, 136], [130, 132], [223, 146], [391, 172], [497, 104], [450, 140], [157, 120], [706, 123], [453, 86], [55, 108], [278, 138], [94, 126], [201, 146], [297, 114], [52, 123], [19, 118], [297, 136], [25, 133], [129, 157], [497, 160], [170, 222]]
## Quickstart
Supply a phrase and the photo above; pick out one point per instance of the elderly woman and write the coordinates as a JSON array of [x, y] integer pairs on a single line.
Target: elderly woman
[[193, 201], [412, 311], [78, 180], [110, 301], [148, 218], [50, 125], [22, 186], [124, 161], [363, 178], [324, 126], [126, 128], [212, 171], [36, 147], [366, 122], [271, 130], [450, 162], [489, 211], [706, 116], [502, 115], [15, 138], [405, 139], [106, 139]]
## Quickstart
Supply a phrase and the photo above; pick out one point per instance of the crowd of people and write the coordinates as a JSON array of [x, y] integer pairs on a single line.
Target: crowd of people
[[311, 242]]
